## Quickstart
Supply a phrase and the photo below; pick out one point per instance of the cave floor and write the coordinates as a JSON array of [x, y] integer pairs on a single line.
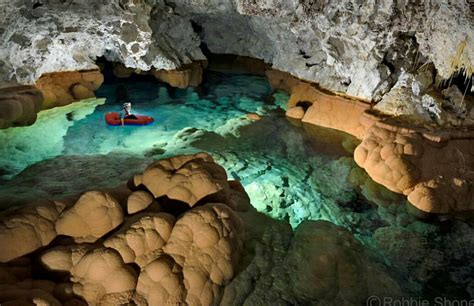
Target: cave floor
[[290, 173]]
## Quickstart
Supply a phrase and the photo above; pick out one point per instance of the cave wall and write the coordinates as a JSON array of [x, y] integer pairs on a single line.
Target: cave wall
[[351, 46]]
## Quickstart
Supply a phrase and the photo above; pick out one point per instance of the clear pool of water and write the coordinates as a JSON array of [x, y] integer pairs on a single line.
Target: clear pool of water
[[290, 172]]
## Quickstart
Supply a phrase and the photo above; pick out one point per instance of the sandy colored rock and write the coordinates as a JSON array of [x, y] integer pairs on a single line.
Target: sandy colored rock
[[296, 112], [433, 173], [186, 178], [101, 277], [94, 214], [337, 113], [185, 76], [138, 201], [206, 242], [254, 117], [161, 283], [27, 229], [62, 88], [80, 92], [319, 107], [63, 258], [142, 240], [19, 105]]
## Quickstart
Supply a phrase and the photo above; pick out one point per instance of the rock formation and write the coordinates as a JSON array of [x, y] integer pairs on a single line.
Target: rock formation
[[209, 254], [431, 165], [63, 88], [433, 169], [358, 49], [19, 105]]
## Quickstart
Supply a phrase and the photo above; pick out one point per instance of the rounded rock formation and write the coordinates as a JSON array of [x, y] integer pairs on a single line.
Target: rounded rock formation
[[27, 229], [95, 214]]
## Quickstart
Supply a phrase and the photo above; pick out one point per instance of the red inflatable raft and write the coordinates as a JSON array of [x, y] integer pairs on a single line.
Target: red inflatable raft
[[113, 118]]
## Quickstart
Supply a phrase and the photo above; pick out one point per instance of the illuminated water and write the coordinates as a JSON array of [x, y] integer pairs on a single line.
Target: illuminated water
[[290, 172]]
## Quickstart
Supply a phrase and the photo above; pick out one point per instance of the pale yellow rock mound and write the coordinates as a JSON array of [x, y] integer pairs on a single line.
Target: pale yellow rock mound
[[94, 214]]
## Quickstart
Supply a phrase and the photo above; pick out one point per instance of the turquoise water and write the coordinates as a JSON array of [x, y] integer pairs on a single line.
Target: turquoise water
[[290, 172]]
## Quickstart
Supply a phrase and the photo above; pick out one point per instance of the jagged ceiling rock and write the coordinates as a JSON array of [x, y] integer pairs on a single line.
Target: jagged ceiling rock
[[71, 35], [351, 46], [345, 46]]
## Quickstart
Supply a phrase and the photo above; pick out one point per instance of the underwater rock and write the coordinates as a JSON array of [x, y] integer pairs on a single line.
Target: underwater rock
[[253, 116], [27, 229], [327, 264], [410, 252], [19, 105], [94, 214], [300, 268]]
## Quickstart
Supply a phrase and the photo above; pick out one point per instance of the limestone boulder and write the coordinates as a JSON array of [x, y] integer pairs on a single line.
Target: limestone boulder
[[98, 274], [432, 170], [187, 178], [141, 240], [296, 112], [101, 277], [62, 88], [161, 283], [80, 92], [185, 76], [92, 216], [63, 258], [19, 105], [207, 243], [138, 201], [27, 229], [198, 260]]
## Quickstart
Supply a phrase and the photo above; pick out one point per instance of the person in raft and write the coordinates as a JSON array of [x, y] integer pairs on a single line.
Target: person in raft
[[127, 109]]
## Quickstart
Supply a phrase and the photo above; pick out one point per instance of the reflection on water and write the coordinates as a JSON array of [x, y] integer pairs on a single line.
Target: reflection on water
[[290, 173]]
